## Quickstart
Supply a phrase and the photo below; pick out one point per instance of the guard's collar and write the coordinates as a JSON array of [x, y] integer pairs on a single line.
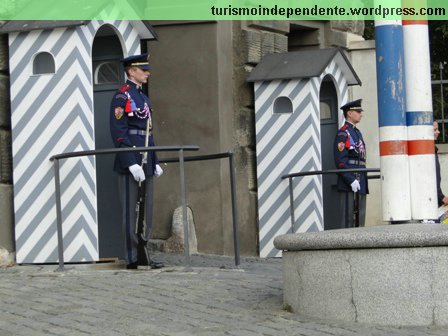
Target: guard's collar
[[351, 124], [133, 84]]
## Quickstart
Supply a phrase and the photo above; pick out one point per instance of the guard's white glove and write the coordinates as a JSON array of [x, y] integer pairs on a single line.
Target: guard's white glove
[[158, 171], [355, 186], [138, 173]]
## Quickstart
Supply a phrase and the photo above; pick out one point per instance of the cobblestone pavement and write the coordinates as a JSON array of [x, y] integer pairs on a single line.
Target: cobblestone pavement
[[213, 299]]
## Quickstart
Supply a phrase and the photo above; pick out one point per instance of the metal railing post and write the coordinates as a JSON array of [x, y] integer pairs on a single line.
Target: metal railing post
[[233, 191], [291, 204], [57, 183], [184, 210], [236, 241]]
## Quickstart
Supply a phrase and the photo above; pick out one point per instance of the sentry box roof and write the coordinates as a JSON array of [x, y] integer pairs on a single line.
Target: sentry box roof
[[302, 64]]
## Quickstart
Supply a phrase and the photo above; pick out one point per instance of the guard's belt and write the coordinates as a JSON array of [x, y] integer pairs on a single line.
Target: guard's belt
[[356, 162], [137, 132]]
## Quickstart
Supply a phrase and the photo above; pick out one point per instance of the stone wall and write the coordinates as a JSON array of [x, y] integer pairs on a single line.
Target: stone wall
[[190, 89], [6, 190], [251, 41]]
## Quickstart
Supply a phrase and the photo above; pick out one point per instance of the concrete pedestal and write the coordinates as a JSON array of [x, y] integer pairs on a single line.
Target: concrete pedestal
[[388, 275]]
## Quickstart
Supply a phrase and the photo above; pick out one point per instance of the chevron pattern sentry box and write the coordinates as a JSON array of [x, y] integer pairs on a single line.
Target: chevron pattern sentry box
[[289, 143], [53, 114]]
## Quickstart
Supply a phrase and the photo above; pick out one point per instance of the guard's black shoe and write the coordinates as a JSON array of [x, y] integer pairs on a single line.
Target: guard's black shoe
[[144, 260], [155, 264], [133, 265], [151, 263]]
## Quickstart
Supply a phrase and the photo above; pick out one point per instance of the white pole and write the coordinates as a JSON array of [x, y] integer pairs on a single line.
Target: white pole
[[419, 115]]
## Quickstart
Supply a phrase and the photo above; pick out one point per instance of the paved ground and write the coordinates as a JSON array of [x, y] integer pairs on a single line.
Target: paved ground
[[213, 299]]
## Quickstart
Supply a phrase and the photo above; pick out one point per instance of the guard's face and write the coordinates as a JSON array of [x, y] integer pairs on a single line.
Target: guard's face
[[354, 116], [436, 130], [139, 75]]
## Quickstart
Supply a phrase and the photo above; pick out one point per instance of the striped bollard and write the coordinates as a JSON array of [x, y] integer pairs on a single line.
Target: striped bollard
[[419, 115], [396, 201]]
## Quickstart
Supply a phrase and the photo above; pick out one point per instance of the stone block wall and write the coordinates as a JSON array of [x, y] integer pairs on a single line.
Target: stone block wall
[[251, 41], [6, 190]]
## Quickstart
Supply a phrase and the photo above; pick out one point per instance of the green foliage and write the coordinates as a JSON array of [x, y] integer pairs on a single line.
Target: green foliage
[[369, 30], [438, 39]]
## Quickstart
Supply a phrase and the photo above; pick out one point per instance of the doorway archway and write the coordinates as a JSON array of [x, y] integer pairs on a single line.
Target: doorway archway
[[328, 99], [108, 76]]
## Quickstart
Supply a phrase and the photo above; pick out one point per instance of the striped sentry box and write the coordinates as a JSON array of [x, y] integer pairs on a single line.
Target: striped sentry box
[[396, 199], [289, 143], [53, 114]]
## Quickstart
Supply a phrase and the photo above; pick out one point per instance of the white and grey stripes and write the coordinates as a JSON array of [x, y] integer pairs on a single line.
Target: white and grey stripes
[[53, 114], [288, 143]]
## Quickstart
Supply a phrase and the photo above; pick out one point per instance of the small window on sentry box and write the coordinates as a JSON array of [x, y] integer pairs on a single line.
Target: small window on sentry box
[[43, 64], [283, 105], [107, 72]]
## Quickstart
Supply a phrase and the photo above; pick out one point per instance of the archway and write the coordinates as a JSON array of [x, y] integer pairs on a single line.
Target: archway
[[108, 76], [328, 99]]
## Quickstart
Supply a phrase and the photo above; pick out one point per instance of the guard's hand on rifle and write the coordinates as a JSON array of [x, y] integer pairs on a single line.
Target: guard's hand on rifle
[[158, 171], [138, 173], [355, 186]]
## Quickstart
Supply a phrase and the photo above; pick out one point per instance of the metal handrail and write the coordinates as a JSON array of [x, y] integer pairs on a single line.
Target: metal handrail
[[124, 150], [56, 158], [198, 157], [332, 171], [320, 172]]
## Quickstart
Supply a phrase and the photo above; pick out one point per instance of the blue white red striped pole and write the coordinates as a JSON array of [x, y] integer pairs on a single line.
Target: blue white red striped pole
[[396, 201], [419, 115]]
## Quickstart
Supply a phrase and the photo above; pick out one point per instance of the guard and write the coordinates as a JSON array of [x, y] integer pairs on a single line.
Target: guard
[[350, 152], [131, 126]]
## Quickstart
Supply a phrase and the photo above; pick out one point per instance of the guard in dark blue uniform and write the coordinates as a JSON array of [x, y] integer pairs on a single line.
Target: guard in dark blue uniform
[[350, 152], [130, 117]]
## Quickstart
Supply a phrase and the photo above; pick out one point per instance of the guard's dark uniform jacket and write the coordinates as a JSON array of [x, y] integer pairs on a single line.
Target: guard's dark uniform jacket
[[440, 195], [350, 152], [129, 112]]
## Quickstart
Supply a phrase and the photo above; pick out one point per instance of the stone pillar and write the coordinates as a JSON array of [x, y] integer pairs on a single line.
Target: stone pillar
[[251, 41], [343, 33]]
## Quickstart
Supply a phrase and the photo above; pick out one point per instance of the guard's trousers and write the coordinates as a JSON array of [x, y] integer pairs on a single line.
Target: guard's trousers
[[128, 190], [346, 199]]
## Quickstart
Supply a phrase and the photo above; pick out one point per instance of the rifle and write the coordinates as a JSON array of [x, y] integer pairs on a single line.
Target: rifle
[[356, 201], [356, 208], [140, 222]]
